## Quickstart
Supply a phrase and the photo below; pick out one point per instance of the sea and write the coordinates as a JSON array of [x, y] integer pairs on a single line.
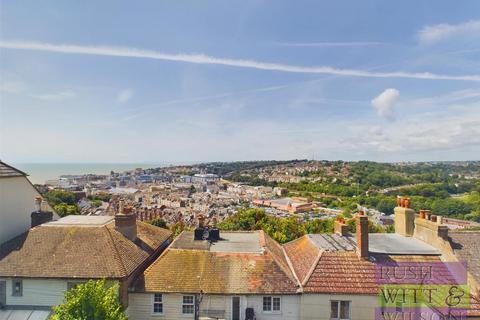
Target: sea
[[38, 173]]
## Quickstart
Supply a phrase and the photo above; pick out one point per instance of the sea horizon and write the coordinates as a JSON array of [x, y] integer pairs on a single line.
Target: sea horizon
[[39, 172]]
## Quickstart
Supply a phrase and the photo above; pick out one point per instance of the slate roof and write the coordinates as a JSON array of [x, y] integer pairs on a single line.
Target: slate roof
[[79, 252], [466, 246], [7, 171], [190, 266]]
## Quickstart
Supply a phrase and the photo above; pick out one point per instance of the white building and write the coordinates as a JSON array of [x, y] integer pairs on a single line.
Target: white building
[[17, 202]]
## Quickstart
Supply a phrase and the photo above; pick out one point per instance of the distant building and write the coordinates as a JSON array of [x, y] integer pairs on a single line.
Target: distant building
[[205, 178], [286, 204]]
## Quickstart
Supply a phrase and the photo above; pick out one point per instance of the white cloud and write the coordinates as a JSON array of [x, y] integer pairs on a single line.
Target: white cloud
[[385, 102], [440, 32], [205, 59], [125, 95], [328, 44], [56, 96], [12, 87]]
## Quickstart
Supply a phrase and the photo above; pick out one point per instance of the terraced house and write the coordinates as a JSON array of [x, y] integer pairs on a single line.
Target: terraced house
[[247, 275]]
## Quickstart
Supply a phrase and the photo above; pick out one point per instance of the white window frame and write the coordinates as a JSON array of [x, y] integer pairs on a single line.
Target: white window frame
[[14, 293], [338, 309], [154, 302], [188, 304], [271, 304]]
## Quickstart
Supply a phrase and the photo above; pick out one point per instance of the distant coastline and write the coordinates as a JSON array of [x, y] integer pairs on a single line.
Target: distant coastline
[[40, 172]]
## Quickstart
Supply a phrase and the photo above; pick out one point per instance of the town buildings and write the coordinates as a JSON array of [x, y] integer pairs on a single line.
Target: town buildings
[[211, 274]]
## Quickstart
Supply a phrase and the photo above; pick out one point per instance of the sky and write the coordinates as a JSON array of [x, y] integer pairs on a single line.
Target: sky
[[186, 81]]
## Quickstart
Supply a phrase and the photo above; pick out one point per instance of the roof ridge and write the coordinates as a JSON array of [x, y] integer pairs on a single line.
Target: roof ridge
[[295, 240], [13, 168], [290, 265], [117, 253], [275, 258], [312, 268]]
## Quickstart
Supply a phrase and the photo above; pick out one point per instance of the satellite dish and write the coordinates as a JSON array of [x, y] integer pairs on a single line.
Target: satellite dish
[[206, 234]]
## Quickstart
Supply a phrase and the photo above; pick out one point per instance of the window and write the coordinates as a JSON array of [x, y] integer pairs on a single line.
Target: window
[[188, 305], [271, 304], [340, 310], [157, 303], [17, 288]]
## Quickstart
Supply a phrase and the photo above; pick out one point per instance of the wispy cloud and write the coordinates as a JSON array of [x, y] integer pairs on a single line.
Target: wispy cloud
[[56, 96], [328, 44], [205, 59], [12, 87], [125, 95], [385, 102], [440, 32]]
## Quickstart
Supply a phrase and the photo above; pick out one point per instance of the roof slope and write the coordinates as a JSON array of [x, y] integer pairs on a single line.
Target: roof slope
[[466, 246], [7, 171], [302, 253], [346, 273], [233, 270], [78, 252]]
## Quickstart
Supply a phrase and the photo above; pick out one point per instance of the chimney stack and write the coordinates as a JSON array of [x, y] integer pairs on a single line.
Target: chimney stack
[[362, 235], [126, 221], [340, 227], [41, 215], [429, 227], [404, 217]]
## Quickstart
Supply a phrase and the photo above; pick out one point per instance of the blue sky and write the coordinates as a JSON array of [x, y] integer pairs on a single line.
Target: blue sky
[[150, 81]]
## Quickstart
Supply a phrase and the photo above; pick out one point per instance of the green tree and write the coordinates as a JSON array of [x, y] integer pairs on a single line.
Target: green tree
[[96, 203], [158, 222], [93, 300], [55, 197], [64, 209]]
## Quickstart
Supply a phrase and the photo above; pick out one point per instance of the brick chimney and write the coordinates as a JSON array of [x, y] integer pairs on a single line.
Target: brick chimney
[[126, 221], [340, 227], [40, 215], [429, 227], [362, 235], [404, 217]]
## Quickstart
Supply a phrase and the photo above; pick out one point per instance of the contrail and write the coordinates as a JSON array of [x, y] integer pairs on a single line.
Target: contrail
[[240, 63]]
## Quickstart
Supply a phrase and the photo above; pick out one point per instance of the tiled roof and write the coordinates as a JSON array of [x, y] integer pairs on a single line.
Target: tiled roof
[[78, 252], [192, 269], [303, 254], [466, 246], [7, 171], [346, 273]]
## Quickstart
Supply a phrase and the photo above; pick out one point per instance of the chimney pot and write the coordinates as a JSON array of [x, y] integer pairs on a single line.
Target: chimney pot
[[340, 227], [422, 214]]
